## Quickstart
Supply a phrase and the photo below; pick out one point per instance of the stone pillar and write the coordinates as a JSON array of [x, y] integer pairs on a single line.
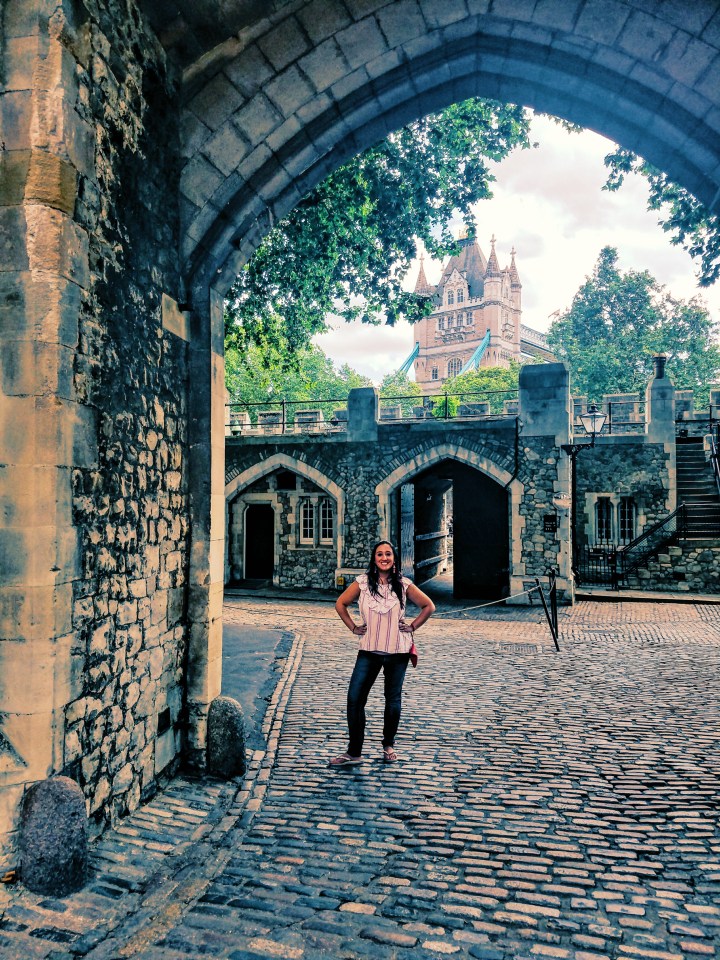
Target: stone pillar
[[660, 405], [545, 407], [545, 410], [44, 431], [207, 510], [363, 408], [660, 417]]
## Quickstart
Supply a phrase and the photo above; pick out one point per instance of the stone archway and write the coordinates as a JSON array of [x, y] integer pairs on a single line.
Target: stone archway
[[448, 451], [280, 461], [147, 148], [270, 115]]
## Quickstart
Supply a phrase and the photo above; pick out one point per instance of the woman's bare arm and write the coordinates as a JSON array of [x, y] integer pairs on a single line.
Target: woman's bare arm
[[422, 600], [348, 596]]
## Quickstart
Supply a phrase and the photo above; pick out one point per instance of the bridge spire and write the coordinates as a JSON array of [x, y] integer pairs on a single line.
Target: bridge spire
[[493, 267], [422, 287], [514, 275]]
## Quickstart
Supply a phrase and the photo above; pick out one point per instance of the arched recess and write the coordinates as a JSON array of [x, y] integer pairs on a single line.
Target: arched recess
[[451, 451], [283, 461]]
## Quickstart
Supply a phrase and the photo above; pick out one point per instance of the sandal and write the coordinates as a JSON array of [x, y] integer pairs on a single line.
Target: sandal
[[344, 760], [389, 755]]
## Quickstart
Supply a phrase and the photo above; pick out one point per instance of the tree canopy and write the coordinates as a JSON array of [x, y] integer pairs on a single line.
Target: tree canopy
[[618, 321], [690, 222], [345, 248], [261, 374]]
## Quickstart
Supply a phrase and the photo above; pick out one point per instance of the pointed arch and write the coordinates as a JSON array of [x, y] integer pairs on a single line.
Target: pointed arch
[[281, 461], [453, 451]]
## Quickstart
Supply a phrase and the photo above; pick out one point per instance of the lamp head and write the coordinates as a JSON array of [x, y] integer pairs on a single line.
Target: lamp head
[[593, 421]]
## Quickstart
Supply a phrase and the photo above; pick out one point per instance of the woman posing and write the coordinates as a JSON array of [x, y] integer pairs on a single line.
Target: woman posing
[[385, 642]]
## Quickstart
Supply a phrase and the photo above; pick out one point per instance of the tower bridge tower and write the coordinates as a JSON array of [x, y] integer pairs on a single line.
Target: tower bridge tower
[[473, 298]]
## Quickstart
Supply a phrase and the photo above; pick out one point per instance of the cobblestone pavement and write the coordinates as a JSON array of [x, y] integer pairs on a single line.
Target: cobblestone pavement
[[546, 805]]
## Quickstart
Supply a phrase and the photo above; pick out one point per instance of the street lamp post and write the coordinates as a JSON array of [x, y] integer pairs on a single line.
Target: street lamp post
[[593, 422]]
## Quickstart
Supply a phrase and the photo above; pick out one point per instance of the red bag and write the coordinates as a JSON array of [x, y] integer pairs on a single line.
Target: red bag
[[413, 655]]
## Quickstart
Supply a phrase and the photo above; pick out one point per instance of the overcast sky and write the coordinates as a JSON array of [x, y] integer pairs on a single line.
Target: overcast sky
[[549, 205]]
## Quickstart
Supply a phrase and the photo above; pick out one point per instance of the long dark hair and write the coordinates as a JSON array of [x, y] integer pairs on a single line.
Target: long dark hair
[[395, 578]]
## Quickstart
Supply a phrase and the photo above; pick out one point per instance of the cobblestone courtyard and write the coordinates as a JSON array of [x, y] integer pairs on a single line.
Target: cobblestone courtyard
[[546, 805]]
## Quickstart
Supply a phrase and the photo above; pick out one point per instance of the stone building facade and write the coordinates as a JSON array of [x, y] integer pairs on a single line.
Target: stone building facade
[[499, 485], [511, 465]]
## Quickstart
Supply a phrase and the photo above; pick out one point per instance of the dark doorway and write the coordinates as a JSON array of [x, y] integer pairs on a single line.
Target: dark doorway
[[481, 547], [259, 541], [461, 531]]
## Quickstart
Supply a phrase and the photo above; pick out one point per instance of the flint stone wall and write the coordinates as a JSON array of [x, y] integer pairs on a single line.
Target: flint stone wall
[[692, 566], [625, 466], [358, 467], [131, 507]]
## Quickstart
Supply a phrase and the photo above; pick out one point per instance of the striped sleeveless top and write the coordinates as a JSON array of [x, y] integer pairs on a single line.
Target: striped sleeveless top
[[382, 615]]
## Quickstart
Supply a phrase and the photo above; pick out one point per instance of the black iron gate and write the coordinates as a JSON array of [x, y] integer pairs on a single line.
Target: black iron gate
[[598, 564]]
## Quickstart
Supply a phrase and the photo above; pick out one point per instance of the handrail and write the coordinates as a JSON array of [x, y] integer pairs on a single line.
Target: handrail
[[674, 526], [714, 461]]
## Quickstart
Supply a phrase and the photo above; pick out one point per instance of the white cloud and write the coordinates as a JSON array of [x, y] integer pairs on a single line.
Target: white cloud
[[549, 204]]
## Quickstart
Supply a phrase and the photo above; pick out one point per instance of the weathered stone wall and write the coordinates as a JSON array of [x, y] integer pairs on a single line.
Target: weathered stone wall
[[94, 409], [360, 470], [297, 564], [625, 466], [691, 566], [131, 507]]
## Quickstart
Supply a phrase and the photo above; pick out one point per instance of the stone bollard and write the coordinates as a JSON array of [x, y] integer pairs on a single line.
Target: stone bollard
[[226, 738], [53, 837]]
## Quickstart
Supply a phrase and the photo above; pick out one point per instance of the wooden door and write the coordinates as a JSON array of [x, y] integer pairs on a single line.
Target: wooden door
[[407, 529]]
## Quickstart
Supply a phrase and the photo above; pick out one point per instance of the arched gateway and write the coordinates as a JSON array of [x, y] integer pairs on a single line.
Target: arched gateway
[[146, 149]]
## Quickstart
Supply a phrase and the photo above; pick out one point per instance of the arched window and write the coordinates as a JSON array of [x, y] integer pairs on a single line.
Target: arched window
[[307, 522], [450, 297], [434, 373], [461, 296], [626, 520], [441, 324], [454, 367], [327, 520], [603, 520], [450, 320], [468, 319]]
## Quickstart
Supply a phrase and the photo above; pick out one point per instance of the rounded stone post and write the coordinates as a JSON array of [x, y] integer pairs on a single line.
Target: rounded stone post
[[53, 837], [226, 738]]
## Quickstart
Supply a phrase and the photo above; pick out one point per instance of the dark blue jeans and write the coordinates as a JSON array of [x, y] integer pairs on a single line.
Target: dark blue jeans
[[367, 669]]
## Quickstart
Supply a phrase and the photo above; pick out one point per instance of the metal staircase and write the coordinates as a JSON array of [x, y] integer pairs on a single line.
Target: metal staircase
[[697, 488]]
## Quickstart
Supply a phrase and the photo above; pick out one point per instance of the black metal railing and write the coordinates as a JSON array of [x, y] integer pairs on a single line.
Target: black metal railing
[[623, 416], [611, 564], [286, 416], [639, 551], [451, 406], [714, 461], [597, 564], [328, 416], [689, 423]]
